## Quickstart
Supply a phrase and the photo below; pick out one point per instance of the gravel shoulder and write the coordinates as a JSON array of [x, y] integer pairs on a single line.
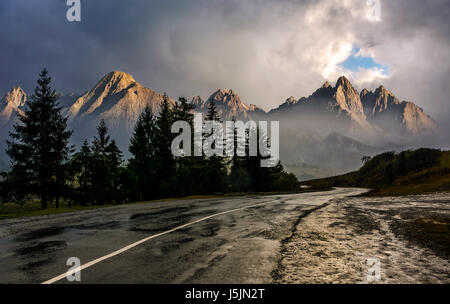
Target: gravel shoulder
[[333, 244]]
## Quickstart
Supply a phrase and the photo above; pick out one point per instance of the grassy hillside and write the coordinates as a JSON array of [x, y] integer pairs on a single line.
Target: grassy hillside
[[405, 173]]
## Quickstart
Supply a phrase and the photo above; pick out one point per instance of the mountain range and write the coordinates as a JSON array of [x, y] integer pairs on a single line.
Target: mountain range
[[229, 106], [326, 132], [377, 113]]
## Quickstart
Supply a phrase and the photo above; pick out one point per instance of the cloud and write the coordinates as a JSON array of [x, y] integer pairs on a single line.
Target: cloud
[[333, 56], [368, 76], [266, 50]]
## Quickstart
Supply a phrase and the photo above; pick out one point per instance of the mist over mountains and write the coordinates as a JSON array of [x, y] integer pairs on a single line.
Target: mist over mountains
[[323, 134]]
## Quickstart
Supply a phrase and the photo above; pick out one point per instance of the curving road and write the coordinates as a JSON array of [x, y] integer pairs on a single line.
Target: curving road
[[226, 240]]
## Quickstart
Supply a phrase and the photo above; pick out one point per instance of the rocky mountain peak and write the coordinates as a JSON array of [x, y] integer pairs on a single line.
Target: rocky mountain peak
[[119, 100], [344, 82], [382, 91], [16, 97], [368, 110], [291, 100], [385, 110], [197, 101], [11, 104], [416, 121], [380, 100], [326, 85], [227, 98], [116, 81], [228, 104], [120, 76], [348, 98], [386, 95], [111, 84], [364, 92]]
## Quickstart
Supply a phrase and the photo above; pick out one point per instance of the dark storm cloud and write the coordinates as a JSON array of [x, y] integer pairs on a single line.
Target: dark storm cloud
[[37, 34], [112, 35], [266, 50], [418, 31]]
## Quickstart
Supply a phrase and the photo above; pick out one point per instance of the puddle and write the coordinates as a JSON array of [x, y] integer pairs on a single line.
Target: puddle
[[157, 212], [41, 247], [40, 233]]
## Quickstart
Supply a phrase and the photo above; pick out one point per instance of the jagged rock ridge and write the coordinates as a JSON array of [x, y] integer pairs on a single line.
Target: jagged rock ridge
[[228, 105], [386, 111], [371, 112]]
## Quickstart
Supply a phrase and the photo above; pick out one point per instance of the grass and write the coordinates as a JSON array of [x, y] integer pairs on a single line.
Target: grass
[[435, 179], [442, 185], [428, 172], [26, 213], [12, 210]]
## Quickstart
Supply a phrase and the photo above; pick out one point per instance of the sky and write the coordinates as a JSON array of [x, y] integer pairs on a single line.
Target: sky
[[265, 50]]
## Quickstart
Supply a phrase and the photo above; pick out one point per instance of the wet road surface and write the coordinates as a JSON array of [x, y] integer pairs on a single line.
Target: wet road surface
[[236, 240]]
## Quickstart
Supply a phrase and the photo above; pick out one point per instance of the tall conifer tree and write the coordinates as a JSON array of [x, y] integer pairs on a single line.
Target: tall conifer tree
[[39, 145], [216, 165], [143, 151], [165, 162], [106, 161]]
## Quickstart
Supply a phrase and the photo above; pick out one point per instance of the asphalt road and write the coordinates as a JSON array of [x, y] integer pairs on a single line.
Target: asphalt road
[[226, 240]]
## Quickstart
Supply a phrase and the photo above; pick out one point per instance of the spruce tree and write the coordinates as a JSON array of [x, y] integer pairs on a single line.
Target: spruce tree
[[165, 162], [115, 162], [105, 166], [188, 176], [143, 151], [81, 164], [212, 113], [39, 145], [238, 179], [183, 111], [264, 179], [215, 165]]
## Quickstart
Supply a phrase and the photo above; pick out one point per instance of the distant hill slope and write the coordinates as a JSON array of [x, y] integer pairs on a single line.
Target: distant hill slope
[[409, 172]]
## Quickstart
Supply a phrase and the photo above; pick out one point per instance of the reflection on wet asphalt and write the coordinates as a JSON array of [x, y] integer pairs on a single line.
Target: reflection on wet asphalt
[[238, 247]]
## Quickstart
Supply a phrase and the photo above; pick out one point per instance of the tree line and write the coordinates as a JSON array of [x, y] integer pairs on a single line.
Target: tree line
[[45, 166]]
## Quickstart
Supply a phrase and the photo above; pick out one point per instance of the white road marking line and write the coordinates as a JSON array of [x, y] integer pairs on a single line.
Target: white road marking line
[[117, 252]]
